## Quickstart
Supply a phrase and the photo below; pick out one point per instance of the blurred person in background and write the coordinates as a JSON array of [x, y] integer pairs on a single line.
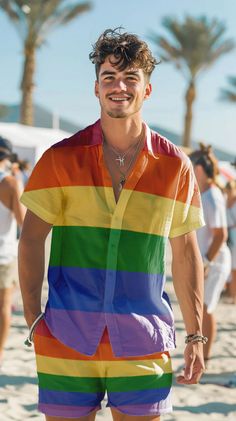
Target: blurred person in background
[[26, 169], [17, 172], [211, 238], [230, 190], [11, 214]]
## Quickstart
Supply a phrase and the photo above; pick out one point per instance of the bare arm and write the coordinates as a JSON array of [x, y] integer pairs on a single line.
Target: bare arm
[[219, 237], [187, 270], [17, 208], [31, 264]]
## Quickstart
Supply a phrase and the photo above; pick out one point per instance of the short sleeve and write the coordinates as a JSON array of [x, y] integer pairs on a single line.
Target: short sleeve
[[188, 212], [43, 194]]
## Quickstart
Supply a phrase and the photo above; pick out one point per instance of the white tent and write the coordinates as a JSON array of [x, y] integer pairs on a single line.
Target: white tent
[[30, 142]]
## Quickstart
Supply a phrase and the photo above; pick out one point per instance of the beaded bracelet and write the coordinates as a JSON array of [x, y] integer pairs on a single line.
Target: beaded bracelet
[[195, 338]]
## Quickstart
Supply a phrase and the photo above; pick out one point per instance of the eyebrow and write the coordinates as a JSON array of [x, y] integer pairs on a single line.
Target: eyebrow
[[128, 72]]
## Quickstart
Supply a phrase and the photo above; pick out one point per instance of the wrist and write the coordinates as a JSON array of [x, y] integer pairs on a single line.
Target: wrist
[[195, 338], [206, 262]]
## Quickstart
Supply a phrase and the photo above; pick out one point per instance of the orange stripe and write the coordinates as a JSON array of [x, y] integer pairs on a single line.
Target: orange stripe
[[73, 168]]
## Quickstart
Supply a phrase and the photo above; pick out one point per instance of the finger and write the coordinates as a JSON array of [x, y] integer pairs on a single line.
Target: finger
[[188, 371], [193, 380]]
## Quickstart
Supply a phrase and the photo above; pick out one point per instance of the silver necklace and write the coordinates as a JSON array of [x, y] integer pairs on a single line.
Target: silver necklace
[[121, 157], [121, 160]]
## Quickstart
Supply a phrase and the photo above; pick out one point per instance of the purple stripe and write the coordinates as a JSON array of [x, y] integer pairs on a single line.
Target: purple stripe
[[79, 330], [66, 411], [145, 409], [130, 334]]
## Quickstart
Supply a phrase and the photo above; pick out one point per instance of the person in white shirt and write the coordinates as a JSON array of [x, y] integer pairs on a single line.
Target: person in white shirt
[[211, 238], [11, 214]]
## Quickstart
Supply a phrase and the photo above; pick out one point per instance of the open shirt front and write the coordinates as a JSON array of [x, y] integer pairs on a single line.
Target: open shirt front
[[107, 260]]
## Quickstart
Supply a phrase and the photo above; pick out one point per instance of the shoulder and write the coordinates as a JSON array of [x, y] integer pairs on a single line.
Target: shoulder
[[85, 137], [10, 182], [165, 148]]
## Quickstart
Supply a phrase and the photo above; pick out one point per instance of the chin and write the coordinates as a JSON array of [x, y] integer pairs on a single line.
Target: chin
[[113, 114]]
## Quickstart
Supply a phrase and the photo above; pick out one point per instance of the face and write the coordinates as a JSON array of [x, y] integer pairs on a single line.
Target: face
[[121, 93]]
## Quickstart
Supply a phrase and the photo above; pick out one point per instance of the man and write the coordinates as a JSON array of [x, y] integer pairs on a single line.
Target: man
[[11, 213], [211, 239], [112, 194]]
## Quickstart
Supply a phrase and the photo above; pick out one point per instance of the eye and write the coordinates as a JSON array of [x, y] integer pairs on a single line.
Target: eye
[[109, 77], [132, 78]]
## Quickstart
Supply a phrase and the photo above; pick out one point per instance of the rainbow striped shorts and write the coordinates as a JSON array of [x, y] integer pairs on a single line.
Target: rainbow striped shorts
[[72, 385]]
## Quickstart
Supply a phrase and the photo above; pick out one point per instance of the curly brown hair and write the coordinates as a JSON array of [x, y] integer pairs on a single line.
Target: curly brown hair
[[127, 49]]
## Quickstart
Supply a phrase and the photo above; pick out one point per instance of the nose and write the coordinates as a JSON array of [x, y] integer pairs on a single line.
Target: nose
[[120, 85]]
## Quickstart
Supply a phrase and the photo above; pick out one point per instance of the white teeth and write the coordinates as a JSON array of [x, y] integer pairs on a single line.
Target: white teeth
[[119, 99]]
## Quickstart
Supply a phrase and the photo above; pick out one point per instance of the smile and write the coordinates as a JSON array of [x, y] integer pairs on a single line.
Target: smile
[[119, 99]]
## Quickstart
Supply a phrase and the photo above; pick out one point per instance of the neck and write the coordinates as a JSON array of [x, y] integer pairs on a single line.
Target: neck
[[121, 133]]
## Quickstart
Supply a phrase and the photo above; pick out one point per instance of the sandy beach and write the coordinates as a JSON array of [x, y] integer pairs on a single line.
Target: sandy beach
[[213, 399]]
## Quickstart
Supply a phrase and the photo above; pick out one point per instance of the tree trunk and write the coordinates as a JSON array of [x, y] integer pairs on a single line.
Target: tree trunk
[[27, 85], [189, 97]]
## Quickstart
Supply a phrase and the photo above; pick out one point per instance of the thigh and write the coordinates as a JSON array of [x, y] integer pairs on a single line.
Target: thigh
[[71, 385], [5, 298], [90, 417], [140, 386], [117, 416], [7, 275]]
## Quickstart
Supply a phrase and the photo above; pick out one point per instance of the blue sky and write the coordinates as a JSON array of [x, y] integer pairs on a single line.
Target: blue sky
[[65, 77]]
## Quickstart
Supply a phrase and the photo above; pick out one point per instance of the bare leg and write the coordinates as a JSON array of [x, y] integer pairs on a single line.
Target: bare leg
[[90, 417], [5, 316], [209, 330], [118, 416], [232, 287]]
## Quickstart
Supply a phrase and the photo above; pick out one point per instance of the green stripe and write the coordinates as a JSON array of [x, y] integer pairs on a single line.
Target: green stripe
[[86, 247], [97, 384]]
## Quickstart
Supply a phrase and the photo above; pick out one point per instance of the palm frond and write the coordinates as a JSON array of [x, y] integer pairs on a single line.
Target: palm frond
[[194, 44], [229, 94]]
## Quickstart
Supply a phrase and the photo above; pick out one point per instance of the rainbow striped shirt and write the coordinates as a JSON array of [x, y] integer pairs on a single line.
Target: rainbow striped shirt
[[107, 260]]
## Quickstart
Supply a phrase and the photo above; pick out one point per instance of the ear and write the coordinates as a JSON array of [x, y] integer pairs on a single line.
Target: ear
[[148, 91], [96, 89]]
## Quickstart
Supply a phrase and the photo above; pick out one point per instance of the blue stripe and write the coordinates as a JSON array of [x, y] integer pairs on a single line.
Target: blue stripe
[[83, 289], [139, 396], [56, 397]]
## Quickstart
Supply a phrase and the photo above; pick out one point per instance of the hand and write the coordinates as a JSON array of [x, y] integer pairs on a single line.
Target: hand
[[206, 271], [194, 364]]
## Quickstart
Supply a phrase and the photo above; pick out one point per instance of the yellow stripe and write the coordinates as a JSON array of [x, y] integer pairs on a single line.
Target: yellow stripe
[[75, 368], [87, 206], [45, 203], [144, 212]]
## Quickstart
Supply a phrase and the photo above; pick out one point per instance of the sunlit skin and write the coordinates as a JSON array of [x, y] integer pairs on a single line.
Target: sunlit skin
[[121, 95]]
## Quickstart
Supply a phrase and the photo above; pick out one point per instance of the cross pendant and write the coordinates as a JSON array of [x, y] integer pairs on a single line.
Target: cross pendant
[[121, 160]]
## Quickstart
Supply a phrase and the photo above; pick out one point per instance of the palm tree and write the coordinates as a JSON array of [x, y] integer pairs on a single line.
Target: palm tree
[[33, 20], [229, 94], [192, 46], [3, 111]]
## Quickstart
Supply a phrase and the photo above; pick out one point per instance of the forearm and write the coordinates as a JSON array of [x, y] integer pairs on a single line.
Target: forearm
[[188, 283], [218, 239], [31, 274]]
